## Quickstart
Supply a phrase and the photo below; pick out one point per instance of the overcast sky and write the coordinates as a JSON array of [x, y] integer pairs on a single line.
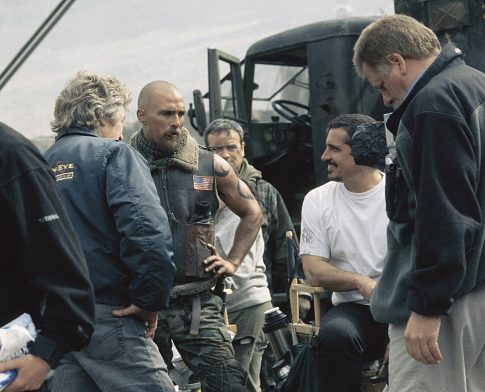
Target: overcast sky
[[139, 41]]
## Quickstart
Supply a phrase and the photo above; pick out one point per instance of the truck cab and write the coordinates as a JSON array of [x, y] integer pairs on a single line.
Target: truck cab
[[290, 85], [284, 93]]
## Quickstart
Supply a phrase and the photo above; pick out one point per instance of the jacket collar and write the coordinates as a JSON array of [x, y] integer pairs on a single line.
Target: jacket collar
[[76, 131], [449, 54]]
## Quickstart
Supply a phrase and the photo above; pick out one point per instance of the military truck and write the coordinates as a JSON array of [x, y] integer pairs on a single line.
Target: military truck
[[290, 85]]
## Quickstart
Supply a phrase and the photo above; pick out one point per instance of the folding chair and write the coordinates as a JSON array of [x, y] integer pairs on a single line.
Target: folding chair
[[371, 380], [297, 287]]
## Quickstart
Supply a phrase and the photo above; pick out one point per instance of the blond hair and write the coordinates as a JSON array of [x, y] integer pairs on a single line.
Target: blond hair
[[88, 98]]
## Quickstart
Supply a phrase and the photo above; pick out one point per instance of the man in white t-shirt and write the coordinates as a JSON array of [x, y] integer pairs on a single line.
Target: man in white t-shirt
[[343, 245], [249, 299]]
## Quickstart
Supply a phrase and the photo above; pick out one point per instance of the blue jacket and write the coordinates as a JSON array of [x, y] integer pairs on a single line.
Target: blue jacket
[[114, 207]]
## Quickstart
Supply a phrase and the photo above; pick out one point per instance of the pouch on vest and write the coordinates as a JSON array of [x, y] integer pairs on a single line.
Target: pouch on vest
[[198, 235]]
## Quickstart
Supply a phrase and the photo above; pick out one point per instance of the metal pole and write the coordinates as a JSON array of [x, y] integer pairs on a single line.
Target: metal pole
[[34, 41]]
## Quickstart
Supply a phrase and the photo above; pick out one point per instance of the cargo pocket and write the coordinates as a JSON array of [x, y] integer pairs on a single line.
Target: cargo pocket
[[107, 340], [226, 335]]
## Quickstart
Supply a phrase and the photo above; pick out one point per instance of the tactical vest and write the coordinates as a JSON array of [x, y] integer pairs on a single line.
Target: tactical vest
[[179, 190]]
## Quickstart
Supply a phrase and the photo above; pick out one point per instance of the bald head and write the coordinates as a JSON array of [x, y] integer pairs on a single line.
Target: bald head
[[161, 111], [155, 88]]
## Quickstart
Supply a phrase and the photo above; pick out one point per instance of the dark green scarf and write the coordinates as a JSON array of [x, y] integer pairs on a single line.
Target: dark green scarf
[[249, 175]]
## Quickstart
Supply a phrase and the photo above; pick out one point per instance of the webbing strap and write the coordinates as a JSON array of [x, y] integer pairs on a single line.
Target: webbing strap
[[195, 323]]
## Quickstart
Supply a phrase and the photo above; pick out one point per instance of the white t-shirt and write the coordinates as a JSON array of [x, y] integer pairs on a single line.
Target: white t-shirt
[[348, 229], [249, 283]]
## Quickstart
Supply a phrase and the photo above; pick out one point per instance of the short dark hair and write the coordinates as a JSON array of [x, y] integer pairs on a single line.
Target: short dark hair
[[349, 122], [221, 125]]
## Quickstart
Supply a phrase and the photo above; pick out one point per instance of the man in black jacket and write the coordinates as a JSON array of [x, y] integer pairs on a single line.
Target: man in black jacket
[[44, 272], [432, 288]]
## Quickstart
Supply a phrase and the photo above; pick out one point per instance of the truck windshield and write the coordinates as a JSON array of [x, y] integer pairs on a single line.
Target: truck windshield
[[276, 82]]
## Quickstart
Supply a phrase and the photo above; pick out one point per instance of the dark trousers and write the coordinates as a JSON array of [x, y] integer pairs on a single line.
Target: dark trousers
[[348, 338]]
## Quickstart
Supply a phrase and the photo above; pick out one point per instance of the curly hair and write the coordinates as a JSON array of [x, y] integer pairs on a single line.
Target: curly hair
[[88, 98]]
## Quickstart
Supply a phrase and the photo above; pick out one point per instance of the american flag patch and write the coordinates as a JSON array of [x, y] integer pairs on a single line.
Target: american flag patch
[[203, 183]]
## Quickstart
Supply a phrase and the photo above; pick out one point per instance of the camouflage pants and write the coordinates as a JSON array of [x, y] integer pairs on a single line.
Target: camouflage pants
[[209, 354]]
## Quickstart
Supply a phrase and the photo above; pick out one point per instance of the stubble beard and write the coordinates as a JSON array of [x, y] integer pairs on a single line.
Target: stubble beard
[[169, 147], [333, 177]]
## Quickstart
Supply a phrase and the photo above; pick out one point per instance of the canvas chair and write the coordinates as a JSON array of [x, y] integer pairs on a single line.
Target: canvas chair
[[297, 288], [372, 379]]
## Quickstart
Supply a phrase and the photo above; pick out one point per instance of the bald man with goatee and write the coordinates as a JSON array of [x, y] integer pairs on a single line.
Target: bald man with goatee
[[188, 175]]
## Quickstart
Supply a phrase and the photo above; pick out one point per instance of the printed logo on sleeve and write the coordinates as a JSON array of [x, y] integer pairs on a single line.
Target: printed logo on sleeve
[[63, 171], [48, 218]]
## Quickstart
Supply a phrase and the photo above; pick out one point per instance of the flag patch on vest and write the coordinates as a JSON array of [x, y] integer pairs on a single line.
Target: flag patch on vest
[[203, 183]]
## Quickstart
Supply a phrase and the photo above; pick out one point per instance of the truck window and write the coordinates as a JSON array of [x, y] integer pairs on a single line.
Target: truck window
[[276, 82]]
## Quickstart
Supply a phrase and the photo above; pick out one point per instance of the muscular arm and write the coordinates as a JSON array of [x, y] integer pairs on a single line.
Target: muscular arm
[[319, 272], [237, 196]]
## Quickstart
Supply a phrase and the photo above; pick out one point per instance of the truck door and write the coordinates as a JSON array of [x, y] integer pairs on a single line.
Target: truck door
[[226, 95]]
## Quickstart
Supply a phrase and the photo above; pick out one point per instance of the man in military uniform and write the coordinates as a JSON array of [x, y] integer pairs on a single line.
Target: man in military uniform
[[186, 174]]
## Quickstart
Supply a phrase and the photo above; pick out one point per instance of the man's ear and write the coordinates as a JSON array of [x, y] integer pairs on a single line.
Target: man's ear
[[397, 60], [242, 148], [140, 114]]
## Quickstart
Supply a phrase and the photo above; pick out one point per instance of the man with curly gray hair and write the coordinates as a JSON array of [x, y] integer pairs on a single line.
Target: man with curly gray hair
[[90, 101], [115, 210]]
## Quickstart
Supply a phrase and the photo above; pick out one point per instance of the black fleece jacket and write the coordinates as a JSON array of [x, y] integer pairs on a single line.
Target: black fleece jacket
[[436, 206]]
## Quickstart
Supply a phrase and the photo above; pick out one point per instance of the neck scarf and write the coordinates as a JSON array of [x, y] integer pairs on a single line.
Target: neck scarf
[[185, 156]]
